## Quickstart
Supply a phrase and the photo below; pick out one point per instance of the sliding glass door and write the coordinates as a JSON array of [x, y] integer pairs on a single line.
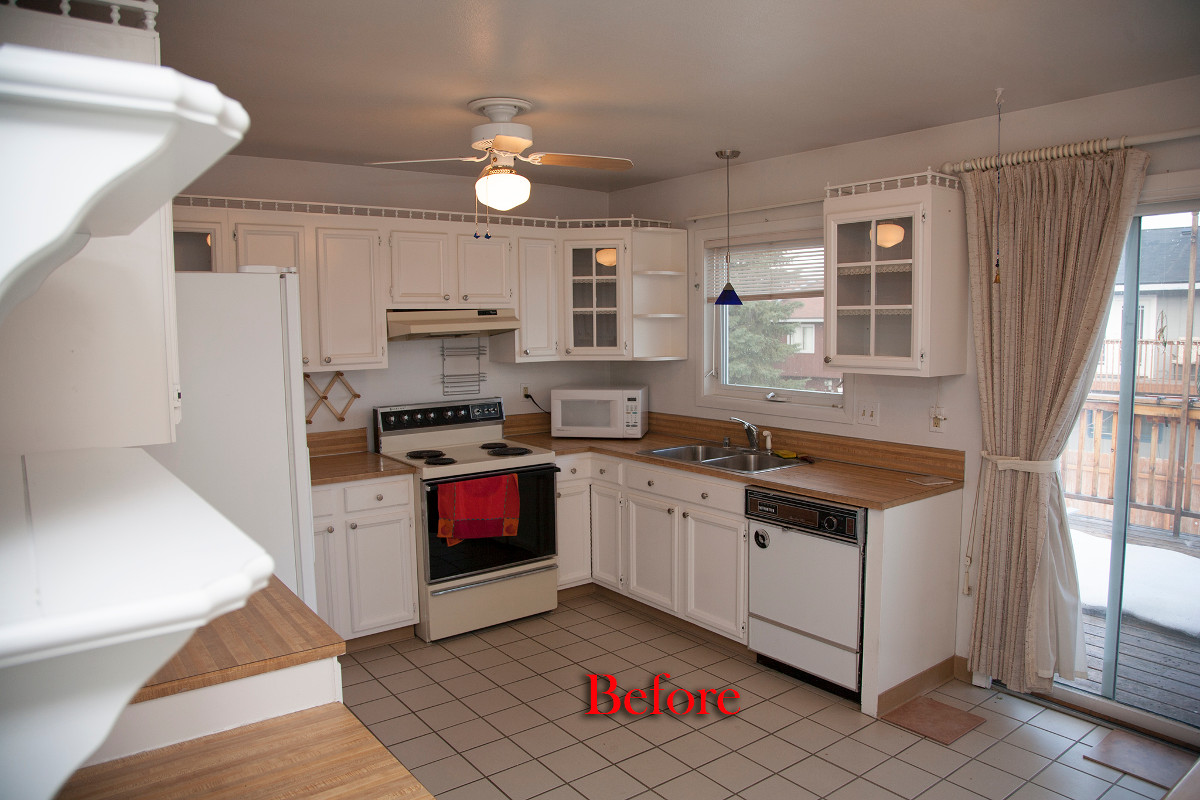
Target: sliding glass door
[[1133, 484]]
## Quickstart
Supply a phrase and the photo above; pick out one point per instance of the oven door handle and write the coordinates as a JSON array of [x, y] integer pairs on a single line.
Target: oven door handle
[[537, 469], [485, 581]]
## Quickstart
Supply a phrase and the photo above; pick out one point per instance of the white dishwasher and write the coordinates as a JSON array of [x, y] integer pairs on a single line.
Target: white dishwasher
[[806, 585]]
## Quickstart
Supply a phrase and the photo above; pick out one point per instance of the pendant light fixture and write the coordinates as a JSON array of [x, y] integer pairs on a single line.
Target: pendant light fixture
[[727, 297]]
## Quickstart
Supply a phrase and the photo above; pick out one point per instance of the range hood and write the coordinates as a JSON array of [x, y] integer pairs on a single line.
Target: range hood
[[443, 323]]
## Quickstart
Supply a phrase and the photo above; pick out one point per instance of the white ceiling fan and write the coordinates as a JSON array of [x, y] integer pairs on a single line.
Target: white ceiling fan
[[503, 142]]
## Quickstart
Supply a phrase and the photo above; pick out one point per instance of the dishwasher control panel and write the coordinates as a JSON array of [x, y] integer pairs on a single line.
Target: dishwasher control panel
[[805, 514]]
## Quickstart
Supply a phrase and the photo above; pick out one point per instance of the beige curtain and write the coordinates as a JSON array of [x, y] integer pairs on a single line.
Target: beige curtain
[[1061, 227]]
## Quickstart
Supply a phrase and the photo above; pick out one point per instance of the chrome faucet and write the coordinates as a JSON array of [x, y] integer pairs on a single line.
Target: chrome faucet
[[751, 432]]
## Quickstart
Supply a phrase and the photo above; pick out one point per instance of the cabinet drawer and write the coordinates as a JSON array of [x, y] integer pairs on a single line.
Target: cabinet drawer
[[606, 469], [687, 487], [365, 497], [324, 503], [573, 467]]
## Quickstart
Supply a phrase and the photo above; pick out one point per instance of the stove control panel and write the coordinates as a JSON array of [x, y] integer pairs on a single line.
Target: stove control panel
[[398, 419]]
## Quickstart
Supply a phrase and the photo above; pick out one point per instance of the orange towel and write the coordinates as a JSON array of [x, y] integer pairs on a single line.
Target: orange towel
[[478, 509]]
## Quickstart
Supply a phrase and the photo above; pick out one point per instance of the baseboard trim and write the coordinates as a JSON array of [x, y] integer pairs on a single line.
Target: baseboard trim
[[376, 639], [917, 685]]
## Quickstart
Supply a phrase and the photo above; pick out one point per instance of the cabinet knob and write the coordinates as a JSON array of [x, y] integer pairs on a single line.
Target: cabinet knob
[[329, 529], [828, 359], [525, 351], [353, 526], [574, 470], [558, 494], [306, 359], [704, 495], [328, 359], [685, 515], [649, 483], [603, 470], [445, 297], [465, 296], [670, 510], [568, 351], [379, 497]]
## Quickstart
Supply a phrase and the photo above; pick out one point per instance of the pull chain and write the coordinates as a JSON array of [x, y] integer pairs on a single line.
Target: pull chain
[[999, 103]]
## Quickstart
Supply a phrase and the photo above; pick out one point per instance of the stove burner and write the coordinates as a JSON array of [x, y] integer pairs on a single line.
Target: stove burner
[[424, 454], [439, 461], [493, 445], [509, 451]]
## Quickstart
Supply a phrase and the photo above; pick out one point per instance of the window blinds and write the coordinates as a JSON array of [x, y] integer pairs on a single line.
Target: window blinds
[[768, 270]]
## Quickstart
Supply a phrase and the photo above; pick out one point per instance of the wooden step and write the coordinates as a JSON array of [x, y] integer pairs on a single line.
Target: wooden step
[[322, 752], [270, 658]]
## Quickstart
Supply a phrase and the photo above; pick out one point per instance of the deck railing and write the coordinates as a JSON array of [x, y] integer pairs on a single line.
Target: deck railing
[[1165, 491]]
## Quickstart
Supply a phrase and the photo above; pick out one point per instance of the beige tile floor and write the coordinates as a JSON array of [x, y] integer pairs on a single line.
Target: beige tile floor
[[498, 714]]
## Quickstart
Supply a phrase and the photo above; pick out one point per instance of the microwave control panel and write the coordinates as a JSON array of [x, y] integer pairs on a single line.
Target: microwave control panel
[[633, 413]]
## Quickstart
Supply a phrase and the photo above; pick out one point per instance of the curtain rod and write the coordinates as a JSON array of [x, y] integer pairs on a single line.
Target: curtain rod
[[1090, 147]]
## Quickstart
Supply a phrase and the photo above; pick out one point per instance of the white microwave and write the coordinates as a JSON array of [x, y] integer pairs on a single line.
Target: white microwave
[[606, 412]]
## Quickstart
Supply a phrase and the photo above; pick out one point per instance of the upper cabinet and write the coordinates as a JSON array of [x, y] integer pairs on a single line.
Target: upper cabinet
[[596, 298], [537, 304], [896, 277], [343, 277], [658, 274], [444, 265]]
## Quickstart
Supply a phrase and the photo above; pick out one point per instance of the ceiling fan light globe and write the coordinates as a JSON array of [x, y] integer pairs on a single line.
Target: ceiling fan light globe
[[501, 188]]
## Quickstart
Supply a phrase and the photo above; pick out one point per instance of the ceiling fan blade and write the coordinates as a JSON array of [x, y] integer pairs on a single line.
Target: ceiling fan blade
[[510, 144], [424, 160], [571, 160]]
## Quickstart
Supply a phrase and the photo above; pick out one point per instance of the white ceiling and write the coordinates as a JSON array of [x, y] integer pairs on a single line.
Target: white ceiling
[[665, 83]]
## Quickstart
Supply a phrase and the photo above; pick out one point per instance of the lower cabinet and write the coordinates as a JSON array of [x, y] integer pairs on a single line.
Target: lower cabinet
[[667, 538], [365, 555], [573, 529]]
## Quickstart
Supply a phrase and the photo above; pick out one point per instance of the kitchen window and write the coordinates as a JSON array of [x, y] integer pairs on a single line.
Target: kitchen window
[[770, 348]]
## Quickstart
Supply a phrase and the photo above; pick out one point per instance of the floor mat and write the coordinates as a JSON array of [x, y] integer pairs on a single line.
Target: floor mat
[[933, 719], [1143, 758]]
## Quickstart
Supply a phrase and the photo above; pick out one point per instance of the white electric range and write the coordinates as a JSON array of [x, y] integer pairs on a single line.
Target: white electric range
[[477, 582]]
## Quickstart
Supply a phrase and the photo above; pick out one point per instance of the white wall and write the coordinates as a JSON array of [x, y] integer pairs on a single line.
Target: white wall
[[804, 176], [279, 179]]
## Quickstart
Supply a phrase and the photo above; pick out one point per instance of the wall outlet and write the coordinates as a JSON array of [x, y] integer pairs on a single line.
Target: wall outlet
[[937, 419], [524, 390], [868, 414]]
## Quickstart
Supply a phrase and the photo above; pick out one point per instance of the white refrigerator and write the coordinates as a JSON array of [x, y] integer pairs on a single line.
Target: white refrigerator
[[240, 443]]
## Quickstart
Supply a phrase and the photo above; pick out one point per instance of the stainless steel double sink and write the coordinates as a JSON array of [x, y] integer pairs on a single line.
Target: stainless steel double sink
[[730, 459]]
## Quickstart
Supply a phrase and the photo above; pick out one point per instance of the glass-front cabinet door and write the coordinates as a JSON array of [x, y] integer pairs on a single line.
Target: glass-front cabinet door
[[872, 285], [595, 303]]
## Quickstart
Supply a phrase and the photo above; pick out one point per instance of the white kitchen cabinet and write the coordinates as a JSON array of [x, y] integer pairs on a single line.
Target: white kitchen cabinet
[[608, 550], [351, 321], [896, 277], [443, 265], [652, 539], [285, 246], [715, 570], [365, 555], [596, 317], [537, 304], [573, 513], [421, 272]]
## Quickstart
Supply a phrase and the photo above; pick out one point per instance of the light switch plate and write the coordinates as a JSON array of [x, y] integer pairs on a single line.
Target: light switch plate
[[868, 414]]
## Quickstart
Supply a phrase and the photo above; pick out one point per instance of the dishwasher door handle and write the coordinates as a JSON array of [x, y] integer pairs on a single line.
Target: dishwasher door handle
[[762, 538]]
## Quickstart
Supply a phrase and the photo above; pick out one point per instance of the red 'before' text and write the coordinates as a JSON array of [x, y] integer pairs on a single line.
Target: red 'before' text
[[674, 702]]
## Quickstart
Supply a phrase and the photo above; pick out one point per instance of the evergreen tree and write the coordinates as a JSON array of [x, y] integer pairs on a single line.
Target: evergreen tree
[[758, 342]]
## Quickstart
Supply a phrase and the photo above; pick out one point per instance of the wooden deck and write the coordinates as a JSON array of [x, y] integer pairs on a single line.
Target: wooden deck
[[1157, 670]]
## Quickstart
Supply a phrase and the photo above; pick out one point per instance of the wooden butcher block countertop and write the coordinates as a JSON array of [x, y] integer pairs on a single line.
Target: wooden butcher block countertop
[[825, 479], [339, 456]]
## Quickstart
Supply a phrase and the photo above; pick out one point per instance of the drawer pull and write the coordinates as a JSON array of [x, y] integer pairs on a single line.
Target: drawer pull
[[670, 510], [574, 470], [379, 497], [603, 470], [329, 529], [649, 483], [704, 495], [686, 515], [558, 494], [353, 526]]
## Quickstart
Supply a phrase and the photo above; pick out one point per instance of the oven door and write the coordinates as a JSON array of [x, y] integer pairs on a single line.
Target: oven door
[[504, 519]]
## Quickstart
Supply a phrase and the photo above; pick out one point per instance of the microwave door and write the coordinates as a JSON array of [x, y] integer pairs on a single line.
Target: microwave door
[[590, 416]]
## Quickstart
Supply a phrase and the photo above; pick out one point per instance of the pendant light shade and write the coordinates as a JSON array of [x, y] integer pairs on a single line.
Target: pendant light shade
[[501, 188], [727, 297]]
